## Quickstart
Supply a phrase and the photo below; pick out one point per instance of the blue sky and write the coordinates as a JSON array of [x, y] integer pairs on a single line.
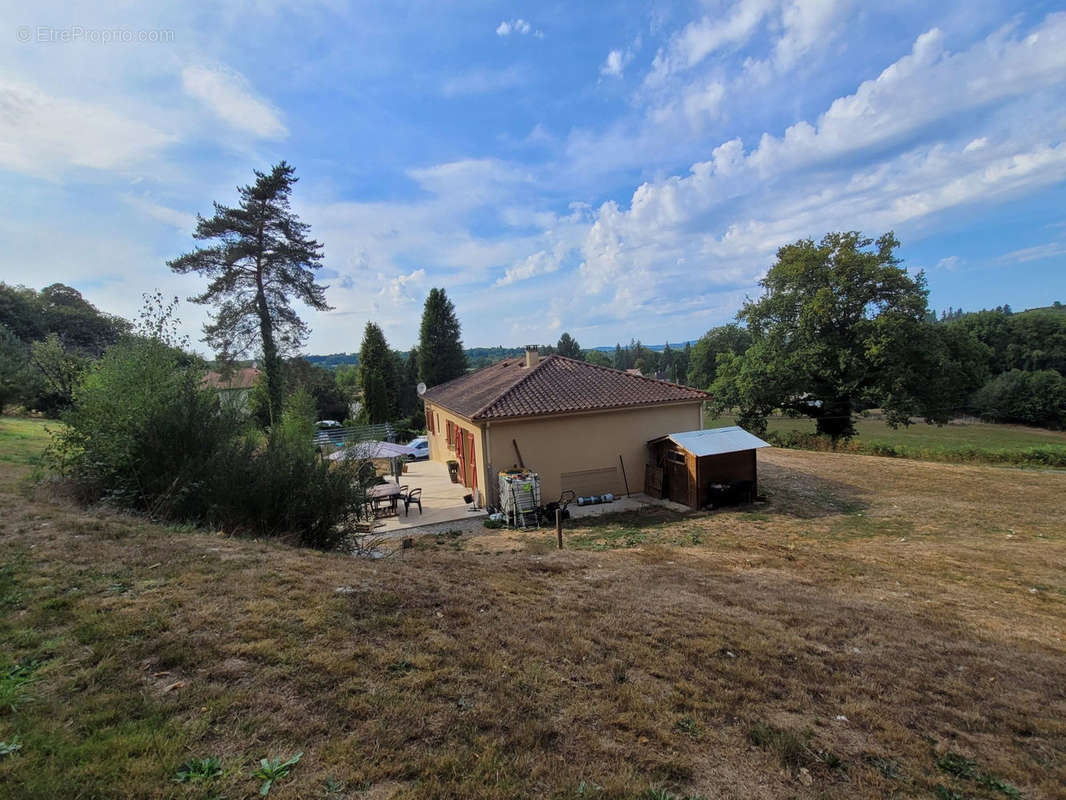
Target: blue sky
[[618, 170]]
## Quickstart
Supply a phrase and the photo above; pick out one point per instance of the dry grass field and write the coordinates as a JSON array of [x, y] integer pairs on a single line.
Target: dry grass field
[[877, 628]]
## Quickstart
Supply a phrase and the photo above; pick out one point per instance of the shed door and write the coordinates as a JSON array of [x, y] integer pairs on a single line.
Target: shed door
[[676, 477]]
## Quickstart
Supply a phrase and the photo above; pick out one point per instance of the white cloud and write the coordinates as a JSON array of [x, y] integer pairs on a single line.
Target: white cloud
[[181, 220], [398, 289], [1039, 252], [542, 262], [469, 182], [703, 37], [806, 24], [228, 94], [728, 215], [482, 81], [696, 105], [42, 135], [950, 263], [519, 27], [615, 63], [801, 26]]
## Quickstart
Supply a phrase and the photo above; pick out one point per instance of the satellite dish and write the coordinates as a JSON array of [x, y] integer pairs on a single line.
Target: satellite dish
[[421, 389]]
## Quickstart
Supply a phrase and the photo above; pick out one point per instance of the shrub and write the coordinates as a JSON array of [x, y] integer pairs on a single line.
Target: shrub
[[141, 432], [13, 357], [144, 434], [285, 486], [1030, 398]]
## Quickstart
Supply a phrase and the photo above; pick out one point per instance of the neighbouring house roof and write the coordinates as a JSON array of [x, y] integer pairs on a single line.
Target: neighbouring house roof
[[243, 378], [715, 441], [556, 385]]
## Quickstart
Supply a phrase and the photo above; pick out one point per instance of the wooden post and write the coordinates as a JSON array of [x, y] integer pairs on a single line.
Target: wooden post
[[623, 463], [559, 526]]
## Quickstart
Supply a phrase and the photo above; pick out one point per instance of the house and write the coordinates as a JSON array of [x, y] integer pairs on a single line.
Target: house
[[234, 387], [701, 468], [580, 426]]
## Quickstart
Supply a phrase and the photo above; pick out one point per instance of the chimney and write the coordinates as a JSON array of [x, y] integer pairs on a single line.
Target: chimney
[[532, 355]]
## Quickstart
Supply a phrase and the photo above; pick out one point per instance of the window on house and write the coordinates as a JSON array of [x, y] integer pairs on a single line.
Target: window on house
[[429, 422], [451, 435]]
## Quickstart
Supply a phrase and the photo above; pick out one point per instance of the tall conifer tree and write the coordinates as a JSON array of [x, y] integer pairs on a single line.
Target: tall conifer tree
[[440, 349], [261, 259]]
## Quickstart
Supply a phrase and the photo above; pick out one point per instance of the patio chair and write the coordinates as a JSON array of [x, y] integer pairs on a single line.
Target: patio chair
[[414, 496]]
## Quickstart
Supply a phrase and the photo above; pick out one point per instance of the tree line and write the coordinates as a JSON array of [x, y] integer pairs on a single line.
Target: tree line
[[842, 327], [145, 430], [47, 339]]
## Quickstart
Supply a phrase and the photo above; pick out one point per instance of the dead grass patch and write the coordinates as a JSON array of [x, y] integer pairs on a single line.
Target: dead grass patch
[[874, 617]]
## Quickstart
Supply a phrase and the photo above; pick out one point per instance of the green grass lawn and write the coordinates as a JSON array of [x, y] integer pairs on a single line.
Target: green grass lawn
[[22, 440], [956, 434], [957, 441], [876, 628]]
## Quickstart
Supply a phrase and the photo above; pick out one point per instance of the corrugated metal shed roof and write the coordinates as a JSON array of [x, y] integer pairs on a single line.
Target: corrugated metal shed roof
[[715, 441]]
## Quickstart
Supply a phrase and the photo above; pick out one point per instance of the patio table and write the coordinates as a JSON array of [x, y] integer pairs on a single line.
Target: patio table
[[385, 491]]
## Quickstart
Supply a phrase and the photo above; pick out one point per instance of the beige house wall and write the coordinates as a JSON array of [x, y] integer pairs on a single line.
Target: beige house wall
[[438, 441], [585, 447]]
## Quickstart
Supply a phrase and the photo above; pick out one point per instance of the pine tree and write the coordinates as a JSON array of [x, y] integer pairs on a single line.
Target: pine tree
[[376, 363], [409, 390], [440, 350], [568, 346], [375, 398], [261, 259], [619, 357], [406, 383]]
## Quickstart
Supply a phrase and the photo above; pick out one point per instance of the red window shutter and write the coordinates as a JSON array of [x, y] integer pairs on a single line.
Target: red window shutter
[[429, 422], [472, 457]]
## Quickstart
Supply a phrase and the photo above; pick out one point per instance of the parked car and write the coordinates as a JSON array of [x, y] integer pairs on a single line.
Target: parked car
[[421, 446], [323, 424]]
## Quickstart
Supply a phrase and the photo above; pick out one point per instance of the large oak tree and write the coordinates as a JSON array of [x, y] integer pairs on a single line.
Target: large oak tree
[[260, 260], [841, 326]]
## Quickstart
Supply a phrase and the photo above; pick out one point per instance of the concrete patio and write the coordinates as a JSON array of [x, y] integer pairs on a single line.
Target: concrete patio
[[442, 500], [635, 502]]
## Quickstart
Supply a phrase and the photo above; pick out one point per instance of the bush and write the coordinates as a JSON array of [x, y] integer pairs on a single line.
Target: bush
[[13, 358], [144, 434], [1029, 398], [285, 486]]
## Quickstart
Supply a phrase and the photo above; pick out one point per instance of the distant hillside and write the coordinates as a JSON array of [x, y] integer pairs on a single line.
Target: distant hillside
[[477, 356], [656, 347], [334, 360], [1057, 308]]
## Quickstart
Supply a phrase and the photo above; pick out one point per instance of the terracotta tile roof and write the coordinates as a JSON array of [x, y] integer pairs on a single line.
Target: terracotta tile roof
[[557, 385], [243, 378]]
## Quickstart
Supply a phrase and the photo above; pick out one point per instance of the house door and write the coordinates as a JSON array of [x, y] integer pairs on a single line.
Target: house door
[[675, 475]]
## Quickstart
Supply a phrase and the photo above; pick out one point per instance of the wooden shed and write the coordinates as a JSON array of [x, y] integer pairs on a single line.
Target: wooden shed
[[712, 467]]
